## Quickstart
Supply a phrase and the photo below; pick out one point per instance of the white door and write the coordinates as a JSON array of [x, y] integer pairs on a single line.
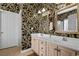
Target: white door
[[9, 29]]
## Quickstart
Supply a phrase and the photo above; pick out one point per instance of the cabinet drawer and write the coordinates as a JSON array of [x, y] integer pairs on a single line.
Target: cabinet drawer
[[42, 48], [77, 53], [42, 53], [42, 43], [35, 45]]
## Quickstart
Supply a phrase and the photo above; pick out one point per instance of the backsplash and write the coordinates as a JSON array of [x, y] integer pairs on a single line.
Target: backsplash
[[31, 24]]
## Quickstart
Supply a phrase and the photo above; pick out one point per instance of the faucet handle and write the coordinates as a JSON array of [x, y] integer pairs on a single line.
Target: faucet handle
[[64, 39]]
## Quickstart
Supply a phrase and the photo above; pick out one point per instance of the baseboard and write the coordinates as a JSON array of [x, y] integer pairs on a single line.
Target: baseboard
[[8, 47], [28, 51]]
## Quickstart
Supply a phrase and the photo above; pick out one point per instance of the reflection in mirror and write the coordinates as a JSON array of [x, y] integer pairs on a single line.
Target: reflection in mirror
[[67, 21], [59, 25], [65, 24]]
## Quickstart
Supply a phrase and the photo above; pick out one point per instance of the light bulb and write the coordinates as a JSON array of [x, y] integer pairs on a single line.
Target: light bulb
[[39, 12], [43, 9]]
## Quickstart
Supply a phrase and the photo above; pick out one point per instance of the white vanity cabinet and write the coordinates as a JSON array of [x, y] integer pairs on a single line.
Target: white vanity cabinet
[[44, 47], [39, 46]]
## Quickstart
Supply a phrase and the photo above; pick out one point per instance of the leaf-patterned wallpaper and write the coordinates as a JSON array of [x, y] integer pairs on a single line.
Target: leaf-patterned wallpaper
[[14, 7], [31, 24]]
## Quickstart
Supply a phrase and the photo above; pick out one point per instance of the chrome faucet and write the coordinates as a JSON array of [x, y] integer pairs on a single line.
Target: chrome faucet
[[64, 39]]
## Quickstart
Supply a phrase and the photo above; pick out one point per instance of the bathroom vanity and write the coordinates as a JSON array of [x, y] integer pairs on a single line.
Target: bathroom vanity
[[66, 22], [46, 45]]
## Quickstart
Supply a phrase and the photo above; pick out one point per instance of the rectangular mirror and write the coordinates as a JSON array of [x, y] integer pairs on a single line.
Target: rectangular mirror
[[67, 22]]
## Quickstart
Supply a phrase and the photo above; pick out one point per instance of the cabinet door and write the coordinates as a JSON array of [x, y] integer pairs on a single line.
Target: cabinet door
[[52, 49], [35, 45], [42, 48], [65, 51], [77, 54]]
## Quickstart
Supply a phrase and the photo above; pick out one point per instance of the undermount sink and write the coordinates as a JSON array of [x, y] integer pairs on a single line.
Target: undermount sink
[[71, 41], [65, 40]]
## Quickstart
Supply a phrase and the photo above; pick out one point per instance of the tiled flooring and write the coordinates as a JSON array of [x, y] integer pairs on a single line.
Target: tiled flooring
[[15, 51]]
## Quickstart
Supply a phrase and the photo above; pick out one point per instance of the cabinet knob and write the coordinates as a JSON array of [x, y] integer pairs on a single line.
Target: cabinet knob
[[42, 48]]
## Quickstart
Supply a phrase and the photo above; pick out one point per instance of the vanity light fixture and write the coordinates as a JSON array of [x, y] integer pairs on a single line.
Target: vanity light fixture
[[39, 12], [43, 10]]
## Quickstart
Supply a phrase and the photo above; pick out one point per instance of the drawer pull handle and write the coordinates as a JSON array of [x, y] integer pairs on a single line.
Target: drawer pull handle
[[55, 49], [42, 48], [41, 42]]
